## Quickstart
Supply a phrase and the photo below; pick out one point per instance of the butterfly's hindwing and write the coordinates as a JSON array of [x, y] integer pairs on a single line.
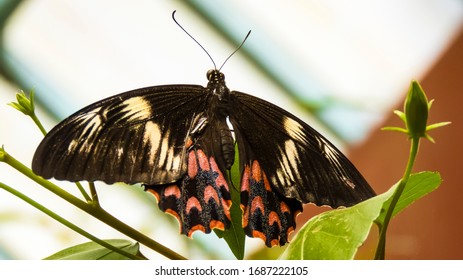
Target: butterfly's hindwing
[[266, 214], [201, 200]]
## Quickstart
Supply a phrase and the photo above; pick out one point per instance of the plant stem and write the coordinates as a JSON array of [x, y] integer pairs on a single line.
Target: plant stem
[[381, 248], [67, 223], [96, 212], [38, 124], [94, 200], [83, 192]]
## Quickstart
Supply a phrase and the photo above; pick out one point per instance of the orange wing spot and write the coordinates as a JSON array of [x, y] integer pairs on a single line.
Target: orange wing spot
[[290, 230], [259, 234], [245, 217], [273, 218], [245, 179], [258, 175], [172, 190], [257, 203], [216, 224], [220, 180], [173, 213], [274, 242], [195, 228], [155, 193], [284, 207], [188, 143], [203, 161], [192, 165], [193, 202], [266, 182], [210, 192], [226, 208], [256, 172]]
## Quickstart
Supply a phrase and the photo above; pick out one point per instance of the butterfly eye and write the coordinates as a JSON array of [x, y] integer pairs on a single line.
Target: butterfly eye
[[209, 74]]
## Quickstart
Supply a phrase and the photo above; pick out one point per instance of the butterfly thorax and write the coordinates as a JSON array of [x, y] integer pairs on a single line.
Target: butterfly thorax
[[217, 131]]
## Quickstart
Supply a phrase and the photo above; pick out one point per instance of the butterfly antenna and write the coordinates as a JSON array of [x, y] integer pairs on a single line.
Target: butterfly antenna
[[184, 30], [237, 49]]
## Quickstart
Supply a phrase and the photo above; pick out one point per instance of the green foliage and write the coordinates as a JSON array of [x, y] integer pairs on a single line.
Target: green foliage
[[419, 185], [337, 234], [234, 236], [94, 251]]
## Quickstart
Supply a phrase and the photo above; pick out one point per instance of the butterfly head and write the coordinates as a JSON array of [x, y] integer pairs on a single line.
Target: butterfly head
[[215, 76], [216, 84]]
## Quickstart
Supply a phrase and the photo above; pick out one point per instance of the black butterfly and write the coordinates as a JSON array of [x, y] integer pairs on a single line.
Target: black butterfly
[[175, 140]]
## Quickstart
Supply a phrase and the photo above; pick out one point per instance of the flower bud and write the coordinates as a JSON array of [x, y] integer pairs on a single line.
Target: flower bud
[[416, 111]]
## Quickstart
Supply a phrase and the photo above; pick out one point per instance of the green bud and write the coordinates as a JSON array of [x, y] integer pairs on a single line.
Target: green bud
[[25, 104], [415, 117], [416, 111]]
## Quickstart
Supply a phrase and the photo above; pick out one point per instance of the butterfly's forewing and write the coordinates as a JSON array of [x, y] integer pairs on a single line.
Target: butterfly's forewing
[[135, 137], [285, 162], [299, 162]]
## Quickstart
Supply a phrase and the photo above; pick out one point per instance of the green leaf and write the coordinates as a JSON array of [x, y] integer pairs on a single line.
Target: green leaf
[[234, 236], [94, 251], [338, 234], [419, 185]]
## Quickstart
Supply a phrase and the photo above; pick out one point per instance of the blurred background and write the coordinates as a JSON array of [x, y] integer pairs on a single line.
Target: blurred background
[[340, 66]]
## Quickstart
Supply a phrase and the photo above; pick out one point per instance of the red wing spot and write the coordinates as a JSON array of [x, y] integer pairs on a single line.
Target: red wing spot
[[216, 224], [172, 190], [155, 193], [203, 161], [245, 179], [210, 192], [257, 203], [220, 180], [256, 171], [195, 228], [192, 166], [273, 218], [193, 202]]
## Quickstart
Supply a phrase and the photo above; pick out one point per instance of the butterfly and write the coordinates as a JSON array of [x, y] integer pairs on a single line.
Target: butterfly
[[176, 140]]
